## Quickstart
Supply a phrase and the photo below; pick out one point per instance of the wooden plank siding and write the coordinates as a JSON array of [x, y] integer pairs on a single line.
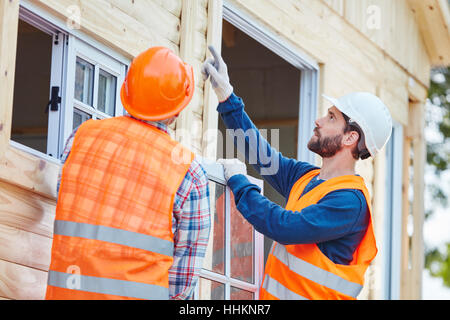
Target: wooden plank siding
[[398, 33], [192, 50], [9, 14], [123, 32], [21, 283], [210, 115]]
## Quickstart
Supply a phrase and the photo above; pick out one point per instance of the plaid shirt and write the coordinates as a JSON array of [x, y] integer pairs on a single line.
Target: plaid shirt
[[190, 224]]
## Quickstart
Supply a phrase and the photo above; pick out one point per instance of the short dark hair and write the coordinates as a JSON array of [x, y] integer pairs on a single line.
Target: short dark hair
[[353, 126]]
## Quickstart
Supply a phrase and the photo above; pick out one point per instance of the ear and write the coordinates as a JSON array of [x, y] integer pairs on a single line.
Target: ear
[[350, 138]]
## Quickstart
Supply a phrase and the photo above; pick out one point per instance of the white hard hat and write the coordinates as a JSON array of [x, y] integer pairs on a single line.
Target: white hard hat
[[371, 115]]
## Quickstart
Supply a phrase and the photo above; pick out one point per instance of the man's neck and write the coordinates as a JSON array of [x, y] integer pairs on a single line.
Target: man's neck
[[161, 125], [336, 166]]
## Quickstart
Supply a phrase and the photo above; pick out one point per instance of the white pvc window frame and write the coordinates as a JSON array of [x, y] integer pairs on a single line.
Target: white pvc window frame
[[78, 48], [309, 81], [215, 174], [391, 255], [56, 80], [70, 43]]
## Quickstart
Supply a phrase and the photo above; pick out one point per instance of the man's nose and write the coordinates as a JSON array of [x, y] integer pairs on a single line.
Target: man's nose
[[318, 122]]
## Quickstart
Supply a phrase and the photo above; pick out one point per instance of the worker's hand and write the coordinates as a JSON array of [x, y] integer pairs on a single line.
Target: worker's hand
[[232, 167], [216, 69]]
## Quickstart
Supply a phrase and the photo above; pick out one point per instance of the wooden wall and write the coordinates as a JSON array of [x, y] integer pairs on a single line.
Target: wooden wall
[[392, 26], [390, 62]]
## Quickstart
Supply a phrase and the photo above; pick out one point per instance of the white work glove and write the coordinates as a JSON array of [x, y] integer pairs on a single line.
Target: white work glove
[[217, 70], [232, 167]]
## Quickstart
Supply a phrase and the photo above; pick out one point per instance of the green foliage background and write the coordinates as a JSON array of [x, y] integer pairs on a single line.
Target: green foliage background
[[438, 157]]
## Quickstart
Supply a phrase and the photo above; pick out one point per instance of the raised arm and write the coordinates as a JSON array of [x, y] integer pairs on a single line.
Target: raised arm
[[280, 172]]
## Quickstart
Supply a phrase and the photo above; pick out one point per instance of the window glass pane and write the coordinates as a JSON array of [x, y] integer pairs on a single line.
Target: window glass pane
[[84, 81], [31, 87], [79, 117], [239, 294], [106, 92], [215, 253], [242, 246], [211, 290]]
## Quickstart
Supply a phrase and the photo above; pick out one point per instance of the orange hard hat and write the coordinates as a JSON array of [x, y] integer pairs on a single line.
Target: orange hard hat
[[158, 85]]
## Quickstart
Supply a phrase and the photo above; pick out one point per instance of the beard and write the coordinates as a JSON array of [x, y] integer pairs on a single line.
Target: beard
[[325, 147]]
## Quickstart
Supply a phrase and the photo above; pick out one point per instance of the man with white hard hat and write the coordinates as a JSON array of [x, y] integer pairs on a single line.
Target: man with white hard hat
[[323, 238]]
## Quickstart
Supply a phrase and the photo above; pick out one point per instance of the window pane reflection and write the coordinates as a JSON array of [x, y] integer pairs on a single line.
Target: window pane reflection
[[84, 79], [242, 246], [211, 290], [106, 92], [79, 117], [239, 294], [215, 253]]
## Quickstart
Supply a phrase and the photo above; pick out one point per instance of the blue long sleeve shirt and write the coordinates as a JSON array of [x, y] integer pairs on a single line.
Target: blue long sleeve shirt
[[337, 223]]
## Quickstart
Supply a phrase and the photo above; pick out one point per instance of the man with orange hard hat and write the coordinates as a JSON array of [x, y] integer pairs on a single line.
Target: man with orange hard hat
[[132, 216]]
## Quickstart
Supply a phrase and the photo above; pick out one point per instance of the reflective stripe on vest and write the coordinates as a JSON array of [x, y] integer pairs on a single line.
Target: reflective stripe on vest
[[114, 235], [276, 289], [109, 286], [314, 273]]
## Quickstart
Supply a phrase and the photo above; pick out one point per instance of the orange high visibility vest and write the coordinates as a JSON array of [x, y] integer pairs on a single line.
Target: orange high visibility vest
[[113, 226], [302, 271]]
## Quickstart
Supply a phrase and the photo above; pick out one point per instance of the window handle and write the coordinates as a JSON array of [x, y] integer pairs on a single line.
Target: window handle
[[55, 100]]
